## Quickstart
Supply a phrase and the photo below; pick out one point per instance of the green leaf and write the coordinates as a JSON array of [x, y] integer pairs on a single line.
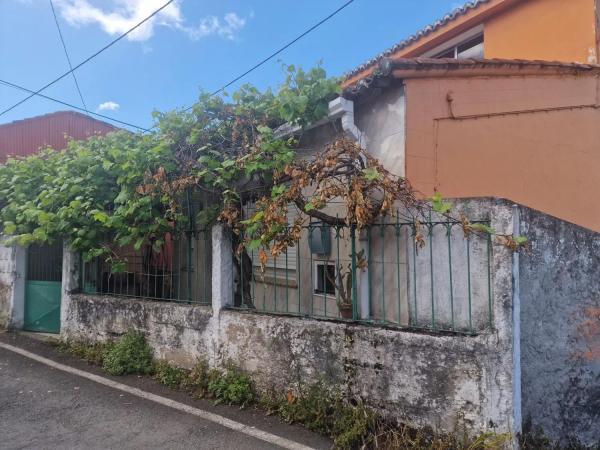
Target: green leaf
[[483, 228], [371, 173], [439, 205]]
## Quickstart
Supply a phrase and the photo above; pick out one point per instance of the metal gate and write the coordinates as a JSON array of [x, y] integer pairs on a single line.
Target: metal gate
[[43, 288]]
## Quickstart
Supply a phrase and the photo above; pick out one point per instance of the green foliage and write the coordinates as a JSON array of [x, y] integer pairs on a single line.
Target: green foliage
[[129, 354], [232, 388], [92, 352], [128, 189], [439, 205], [170, 376], [199, 378], [484, 228], [88, 194]]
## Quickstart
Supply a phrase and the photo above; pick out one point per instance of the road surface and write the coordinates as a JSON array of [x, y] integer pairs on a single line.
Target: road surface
[[45, 408]]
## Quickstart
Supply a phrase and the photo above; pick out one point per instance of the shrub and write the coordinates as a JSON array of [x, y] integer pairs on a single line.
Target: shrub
[[129, 354], [198, 379], [232, 388], [171, 376], [92, 352]]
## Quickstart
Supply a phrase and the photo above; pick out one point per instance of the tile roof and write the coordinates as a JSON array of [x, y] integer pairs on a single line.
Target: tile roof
[[415, 67], [467, 7]]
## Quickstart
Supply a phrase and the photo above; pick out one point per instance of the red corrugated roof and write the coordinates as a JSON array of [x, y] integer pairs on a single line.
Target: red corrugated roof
[[27, 136]]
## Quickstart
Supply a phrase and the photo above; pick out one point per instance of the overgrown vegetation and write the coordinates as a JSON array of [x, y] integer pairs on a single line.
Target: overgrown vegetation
[[91, 352], [232, 388], [318, 407], [352, 425], [131, 189], [533, 438], [129, 354]]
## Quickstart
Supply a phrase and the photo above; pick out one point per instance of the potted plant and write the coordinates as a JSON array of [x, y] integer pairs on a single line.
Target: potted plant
[[343, 284]]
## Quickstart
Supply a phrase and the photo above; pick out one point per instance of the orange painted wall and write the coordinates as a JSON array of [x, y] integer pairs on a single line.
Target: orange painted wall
[[534, 140], [554, 30]]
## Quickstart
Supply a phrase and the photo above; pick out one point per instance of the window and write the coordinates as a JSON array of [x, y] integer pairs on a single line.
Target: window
[[472, 48], [324, 278]]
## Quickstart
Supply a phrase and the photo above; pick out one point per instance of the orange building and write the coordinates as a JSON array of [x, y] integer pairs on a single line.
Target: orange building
[[549, 30], [473, 118]]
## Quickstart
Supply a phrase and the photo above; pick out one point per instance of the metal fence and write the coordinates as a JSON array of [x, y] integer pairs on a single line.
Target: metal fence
[[380, 275], [179, 271]]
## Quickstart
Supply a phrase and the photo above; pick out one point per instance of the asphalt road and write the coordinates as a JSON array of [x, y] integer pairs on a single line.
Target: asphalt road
[[44, 408]]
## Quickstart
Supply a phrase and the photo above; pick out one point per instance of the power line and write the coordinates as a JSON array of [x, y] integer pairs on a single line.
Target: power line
[[24, 89], [107, 46], [277, 52], [67, 55]]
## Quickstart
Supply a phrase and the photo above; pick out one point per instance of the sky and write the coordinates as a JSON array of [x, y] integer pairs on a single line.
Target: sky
[[191, 45]]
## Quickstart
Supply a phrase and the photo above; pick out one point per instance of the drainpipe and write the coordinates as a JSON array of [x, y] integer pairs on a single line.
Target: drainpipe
[[516, 317], [343, 109]]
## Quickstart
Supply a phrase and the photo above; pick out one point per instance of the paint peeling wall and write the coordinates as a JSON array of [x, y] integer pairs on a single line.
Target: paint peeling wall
[[448, 382], [451, 382], [560, 323], [6, 282]]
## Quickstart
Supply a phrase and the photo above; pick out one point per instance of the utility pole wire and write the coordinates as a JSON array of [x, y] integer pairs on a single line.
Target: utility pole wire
[[62, 40], [24, 89], [88, 59], [277, 52]]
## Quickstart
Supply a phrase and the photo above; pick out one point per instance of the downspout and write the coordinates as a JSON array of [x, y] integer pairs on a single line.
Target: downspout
[[344, 110], [516, 318]]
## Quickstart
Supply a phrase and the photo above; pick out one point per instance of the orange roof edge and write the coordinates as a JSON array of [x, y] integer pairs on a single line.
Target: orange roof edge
[[425, 40]]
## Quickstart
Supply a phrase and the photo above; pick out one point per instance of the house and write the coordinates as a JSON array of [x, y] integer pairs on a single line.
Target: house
[[463, 334], [550, 30], [27, 136]]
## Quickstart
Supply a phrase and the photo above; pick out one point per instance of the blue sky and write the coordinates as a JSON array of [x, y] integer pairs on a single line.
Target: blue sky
[[195, 44]]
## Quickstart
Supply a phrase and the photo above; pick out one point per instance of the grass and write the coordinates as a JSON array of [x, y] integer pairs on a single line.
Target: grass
[[318, 407]]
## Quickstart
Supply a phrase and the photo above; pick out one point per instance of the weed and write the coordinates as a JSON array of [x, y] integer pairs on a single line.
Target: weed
[[198, 379], [231, 388], [533, 438], [129, 354], [170, 376], [92, 352]]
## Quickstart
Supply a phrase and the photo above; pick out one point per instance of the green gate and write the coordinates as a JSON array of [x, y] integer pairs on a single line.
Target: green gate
[[43, 288]]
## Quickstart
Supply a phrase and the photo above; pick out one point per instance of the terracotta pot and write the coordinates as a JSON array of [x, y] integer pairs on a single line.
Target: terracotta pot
[[345, 311]]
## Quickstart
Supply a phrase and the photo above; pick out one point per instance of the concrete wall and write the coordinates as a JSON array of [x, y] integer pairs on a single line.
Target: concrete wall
[[6, 281], [560, 323], [12, 285], [382, 120], [530, 139], [448, 381]]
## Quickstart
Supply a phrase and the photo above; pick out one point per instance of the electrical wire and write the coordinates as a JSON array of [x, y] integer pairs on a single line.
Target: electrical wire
[[277, 52], [62, 40], [24, 89], [88, 59]]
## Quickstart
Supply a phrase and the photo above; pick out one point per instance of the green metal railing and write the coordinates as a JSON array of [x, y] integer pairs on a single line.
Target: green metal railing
[[180, 271], [381, 275]]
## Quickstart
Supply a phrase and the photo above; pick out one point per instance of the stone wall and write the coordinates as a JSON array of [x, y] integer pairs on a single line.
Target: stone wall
[[560, 323], [445, 381], [448, 381]]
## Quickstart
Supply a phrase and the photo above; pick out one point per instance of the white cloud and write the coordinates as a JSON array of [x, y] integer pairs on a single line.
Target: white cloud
[[124, 14], [108, 106]]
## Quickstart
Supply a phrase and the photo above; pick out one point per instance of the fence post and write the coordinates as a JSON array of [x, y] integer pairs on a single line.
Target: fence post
[[14, 276], [222, 269], [355, 314], [70, 283]]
